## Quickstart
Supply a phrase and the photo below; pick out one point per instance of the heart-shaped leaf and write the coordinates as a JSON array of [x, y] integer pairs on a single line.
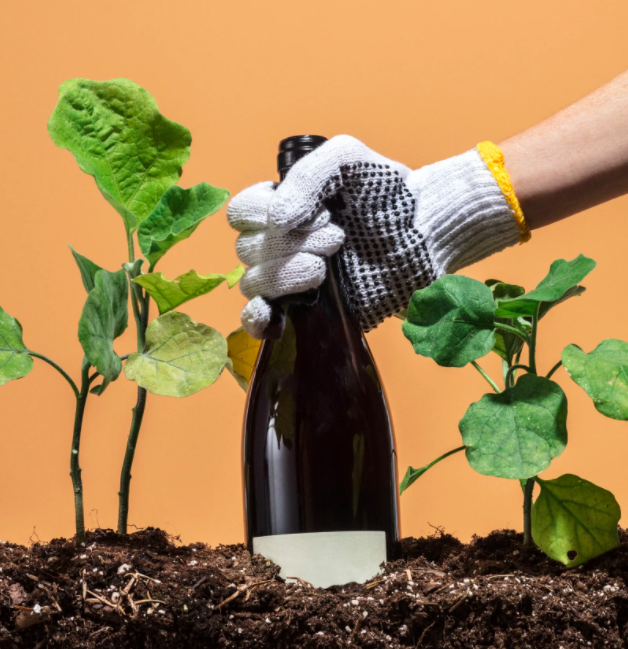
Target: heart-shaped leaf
[[104, 318], [602, 374], [116, 133], [451, 321], [176, 216], [517, 433], [574, 520], [242, 351], [87, 268], [562, 277], [15, 362], [171, 293], [181, 356]]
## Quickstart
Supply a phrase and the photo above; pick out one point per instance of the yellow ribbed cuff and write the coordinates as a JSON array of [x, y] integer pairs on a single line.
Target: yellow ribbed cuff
[[494, 159]]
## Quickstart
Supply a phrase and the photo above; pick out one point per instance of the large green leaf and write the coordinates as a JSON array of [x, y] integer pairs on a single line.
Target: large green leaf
[[603, 374], [181, 356], [176, 216], [563, 276], [451, 321], [171, 293], [517, 433], [87, 268], [243, 351], [104, 318], [116, 133], [574, 520], [15, 362]]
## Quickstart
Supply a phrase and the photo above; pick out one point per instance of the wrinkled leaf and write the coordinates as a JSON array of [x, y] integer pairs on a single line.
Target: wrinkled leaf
[[451, 321], [116, 133], [563, 276], [602, 374], [181, 356], [242, 351], [574, 520], [176, 216], [104, 318], [171, 293], [87, 268], [412, 475], [15, 362], [517, 433]]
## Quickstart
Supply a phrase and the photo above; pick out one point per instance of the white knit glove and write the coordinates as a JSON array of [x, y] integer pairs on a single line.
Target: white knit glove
[[401, 229]]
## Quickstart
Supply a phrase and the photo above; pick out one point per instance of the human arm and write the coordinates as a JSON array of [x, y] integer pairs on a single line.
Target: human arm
[[576, 159]]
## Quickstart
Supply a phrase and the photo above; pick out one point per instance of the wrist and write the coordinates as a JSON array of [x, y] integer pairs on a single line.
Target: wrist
[[467, 209]]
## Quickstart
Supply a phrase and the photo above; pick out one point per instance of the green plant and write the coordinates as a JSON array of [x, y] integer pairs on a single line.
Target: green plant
[[117, 135], [517, 432]]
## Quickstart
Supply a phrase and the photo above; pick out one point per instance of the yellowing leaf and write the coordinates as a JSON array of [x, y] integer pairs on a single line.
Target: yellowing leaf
[[242, 351], [171, 293]]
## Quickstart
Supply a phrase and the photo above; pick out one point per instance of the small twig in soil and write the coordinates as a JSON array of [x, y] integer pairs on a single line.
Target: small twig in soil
[[152, 601], [459, 601], [373, 584], [202, 580], [499, 576], [84, 585], [425, 630], [305, 584], [409, 574]]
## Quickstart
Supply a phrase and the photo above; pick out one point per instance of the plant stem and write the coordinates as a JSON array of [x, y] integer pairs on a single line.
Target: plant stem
[[510, 376], [532, 342], [527, 512], [512, 330], [59, 369], [141, 304], [489, 380], [75, 469], [557, 366], [125, 478]]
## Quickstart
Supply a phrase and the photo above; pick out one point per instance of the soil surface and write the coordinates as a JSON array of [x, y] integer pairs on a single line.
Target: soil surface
[[147, 591]]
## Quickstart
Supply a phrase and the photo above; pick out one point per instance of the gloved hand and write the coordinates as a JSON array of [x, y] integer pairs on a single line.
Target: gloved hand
[[396, 230]]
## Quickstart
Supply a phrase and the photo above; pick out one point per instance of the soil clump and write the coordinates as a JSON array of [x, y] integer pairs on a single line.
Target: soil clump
[[147, 591]]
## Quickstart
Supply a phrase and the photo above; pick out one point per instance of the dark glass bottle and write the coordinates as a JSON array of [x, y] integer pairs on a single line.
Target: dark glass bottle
[[319, 453]]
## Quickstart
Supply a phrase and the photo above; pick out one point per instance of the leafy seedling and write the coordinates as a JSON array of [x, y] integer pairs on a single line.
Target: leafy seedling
[[117, 135], [515, 433]]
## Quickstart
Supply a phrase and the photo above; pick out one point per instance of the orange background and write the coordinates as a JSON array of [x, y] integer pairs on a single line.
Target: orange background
[[417, 81]]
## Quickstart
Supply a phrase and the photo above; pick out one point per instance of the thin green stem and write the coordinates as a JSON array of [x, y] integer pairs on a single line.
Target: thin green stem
[[125, 478], [556, 367], [512, 330], [75, 469], [406, 483], [510, 376], [527, 512], [59, 369], [141, 306], [532, 342], [130, 245], [488, 379]]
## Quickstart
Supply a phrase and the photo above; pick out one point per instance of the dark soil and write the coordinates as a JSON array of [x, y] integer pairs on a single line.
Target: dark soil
[[146, 591]]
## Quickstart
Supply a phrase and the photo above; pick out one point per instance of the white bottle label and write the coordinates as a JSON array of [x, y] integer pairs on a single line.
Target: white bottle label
[[325, 558]]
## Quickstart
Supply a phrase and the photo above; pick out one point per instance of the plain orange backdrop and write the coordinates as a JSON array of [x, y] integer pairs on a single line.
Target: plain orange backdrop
[[417, 81]]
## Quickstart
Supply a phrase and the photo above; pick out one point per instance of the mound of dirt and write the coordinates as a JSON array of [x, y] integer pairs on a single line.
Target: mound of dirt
[[146, 591]]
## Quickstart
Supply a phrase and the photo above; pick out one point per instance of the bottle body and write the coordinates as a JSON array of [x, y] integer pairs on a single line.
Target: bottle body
[[320, 469]]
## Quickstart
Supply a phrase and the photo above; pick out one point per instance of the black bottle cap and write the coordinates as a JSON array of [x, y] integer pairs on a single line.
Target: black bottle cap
[[293, 148]]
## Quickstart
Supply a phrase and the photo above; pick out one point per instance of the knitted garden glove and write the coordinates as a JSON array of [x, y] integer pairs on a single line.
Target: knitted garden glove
[[396, 230]]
